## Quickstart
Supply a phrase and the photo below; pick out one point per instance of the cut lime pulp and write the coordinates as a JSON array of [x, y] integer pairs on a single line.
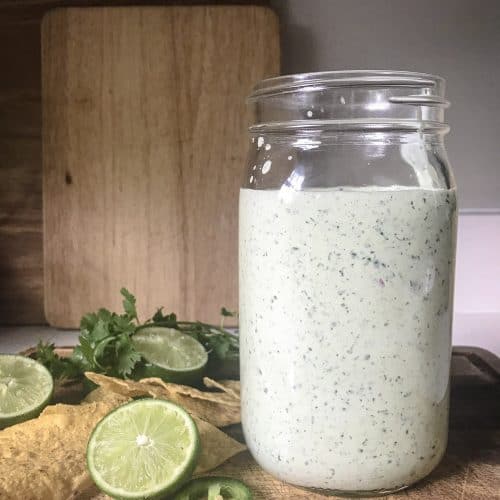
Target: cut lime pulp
[[26, 387], [220, 488], [170, 354], [144, 449]]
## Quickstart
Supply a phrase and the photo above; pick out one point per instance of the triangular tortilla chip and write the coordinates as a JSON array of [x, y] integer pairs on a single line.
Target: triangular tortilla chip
[[100, 394], [231, 387], [216, 447], [219, 409], [215, 397], [45, 457]]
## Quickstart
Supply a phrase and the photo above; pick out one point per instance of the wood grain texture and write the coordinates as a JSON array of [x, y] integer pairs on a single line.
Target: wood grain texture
[[21, 256], [144, 148], [21, 273]]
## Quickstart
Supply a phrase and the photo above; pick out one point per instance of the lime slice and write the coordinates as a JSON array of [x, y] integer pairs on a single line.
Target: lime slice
[[25, 389], [214, 488], [170, 355], [144, 449]]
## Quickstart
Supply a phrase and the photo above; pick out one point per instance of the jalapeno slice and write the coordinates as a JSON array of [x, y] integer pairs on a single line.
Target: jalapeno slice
[[214, 488]]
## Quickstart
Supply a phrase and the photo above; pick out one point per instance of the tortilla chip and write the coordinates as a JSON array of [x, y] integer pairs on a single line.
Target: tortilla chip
[[128, 388], [101, 394], [215, 412], [215, 397], [218, 409], [216, 447], [231, 387], [45, 457]]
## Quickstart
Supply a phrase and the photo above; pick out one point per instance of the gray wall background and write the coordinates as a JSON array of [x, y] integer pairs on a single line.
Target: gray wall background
[[457, 39]]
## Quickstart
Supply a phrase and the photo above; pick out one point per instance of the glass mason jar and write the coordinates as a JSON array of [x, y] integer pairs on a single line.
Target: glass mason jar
[[346, 257]]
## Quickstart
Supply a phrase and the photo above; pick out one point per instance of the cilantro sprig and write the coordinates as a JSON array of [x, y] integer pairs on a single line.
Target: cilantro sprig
[[105, 341]]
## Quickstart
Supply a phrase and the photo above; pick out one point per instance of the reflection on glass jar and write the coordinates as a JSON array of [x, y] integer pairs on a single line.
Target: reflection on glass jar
[[347, 246]]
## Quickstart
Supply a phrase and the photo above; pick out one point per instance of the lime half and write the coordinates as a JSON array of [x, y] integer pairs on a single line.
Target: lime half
[[25, 389], [144, 449], [170, 354]]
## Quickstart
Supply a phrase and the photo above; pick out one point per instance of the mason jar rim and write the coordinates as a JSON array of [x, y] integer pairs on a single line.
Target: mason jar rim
[[350, 100], [315, 81]]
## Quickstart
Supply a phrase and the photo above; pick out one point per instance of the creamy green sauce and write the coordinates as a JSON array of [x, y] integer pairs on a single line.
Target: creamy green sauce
[[345, 319]]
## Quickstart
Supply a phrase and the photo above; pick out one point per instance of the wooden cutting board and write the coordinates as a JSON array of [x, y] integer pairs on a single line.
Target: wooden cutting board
[[144, 146]]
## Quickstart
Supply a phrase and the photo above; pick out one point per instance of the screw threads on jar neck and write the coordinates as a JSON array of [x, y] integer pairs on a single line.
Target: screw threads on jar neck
[[346, 100]]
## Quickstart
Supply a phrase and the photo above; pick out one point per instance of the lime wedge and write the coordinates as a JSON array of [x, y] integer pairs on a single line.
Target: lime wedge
[[220, 488], [144, 449], [170, 355], [25, 389]]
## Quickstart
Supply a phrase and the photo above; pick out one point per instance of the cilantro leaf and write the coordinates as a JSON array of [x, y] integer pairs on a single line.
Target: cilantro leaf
[[78, 359], [86, 349], [129, 304], [99, 332], [126, 356], [225, 312], [88, 321], [123, 324], [159, 317], [59, 367]]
